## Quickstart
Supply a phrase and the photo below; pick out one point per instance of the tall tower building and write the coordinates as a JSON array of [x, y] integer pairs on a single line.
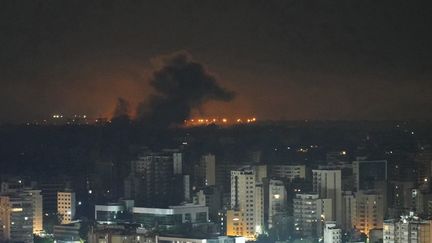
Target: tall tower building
[[423, 161], [277, 200], [247, 200], [259, 208], [177, 163], [205, 171], [348, 210], [5, 221], [66, 206], [36, 198], [367, 174], [327, 183], [310, 212], [156, 180], [260, 172]]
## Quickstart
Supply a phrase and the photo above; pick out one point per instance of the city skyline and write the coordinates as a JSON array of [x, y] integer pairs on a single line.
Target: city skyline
[[288, 121]]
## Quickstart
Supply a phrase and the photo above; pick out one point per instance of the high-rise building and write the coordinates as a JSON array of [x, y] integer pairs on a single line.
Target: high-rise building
[[21, 217], [417, 201], [289, 172], [369, 211], [368, 173], [348, 210], [17, 189], [400, 197], [205, 171], [36, 198], [423, 162], [223, 175], [211, 197], [327, 183], [16, 218], [49, 189], [247, 199], [260, 172], [66, 206], [156, 179], [5, 221], [310, 212], [409, 229], [186, 188], [259, 208], [177, 163], [277, 200], [332, 234]]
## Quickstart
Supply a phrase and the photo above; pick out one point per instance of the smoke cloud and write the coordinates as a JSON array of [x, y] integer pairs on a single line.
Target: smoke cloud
[[122, 108], [181, 85]]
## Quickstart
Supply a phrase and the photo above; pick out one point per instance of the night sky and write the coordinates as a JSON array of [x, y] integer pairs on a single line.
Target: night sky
[[290, 59]]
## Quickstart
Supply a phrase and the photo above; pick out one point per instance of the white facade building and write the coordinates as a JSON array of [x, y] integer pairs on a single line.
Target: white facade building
[[332, 234], [247, 197]]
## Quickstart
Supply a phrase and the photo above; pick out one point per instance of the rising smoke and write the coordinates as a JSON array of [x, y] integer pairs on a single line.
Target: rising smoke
[[181, 85], [122, 108]]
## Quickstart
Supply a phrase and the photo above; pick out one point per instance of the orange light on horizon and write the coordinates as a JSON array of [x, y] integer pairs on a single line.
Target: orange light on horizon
[[222, 120]]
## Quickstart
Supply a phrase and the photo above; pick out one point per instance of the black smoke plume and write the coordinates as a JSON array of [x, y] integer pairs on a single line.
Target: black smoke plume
[[122, 108], [181, 85]]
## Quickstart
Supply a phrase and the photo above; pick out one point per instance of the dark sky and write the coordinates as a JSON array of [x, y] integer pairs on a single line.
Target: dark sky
[[289, 59]]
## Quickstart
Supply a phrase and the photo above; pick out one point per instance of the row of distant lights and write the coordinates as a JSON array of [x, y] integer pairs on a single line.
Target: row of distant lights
[[224, 120], [61, 116]]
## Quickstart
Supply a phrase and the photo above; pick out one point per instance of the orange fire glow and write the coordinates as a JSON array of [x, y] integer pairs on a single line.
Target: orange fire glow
[[219, 121]]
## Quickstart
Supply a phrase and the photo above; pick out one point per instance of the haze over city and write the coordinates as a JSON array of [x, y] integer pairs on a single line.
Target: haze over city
[[294, 60]]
